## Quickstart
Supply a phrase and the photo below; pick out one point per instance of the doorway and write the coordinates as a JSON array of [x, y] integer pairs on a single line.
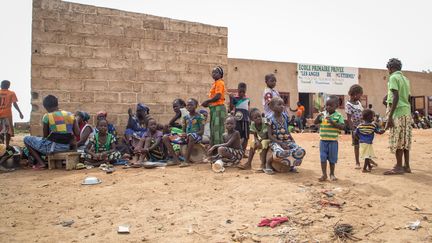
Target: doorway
[[305, 100]]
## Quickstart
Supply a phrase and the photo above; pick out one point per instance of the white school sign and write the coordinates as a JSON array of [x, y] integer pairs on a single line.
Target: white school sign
[[314, 78]]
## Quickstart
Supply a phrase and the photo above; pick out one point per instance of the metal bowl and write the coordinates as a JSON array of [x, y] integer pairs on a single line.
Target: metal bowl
[[91, 180]]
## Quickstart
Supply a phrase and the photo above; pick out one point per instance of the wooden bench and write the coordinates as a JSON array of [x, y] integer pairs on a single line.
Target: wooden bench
[[71, 158]]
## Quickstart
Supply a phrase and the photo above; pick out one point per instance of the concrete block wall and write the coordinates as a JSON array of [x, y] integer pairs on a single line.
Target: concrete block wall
[[95, 58]]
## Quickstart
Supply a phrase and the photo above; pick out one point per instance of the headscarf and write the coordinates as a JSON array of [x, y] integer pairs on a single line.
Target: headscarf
[[219, 70], [84, 115], [102, 113], [142, 107]]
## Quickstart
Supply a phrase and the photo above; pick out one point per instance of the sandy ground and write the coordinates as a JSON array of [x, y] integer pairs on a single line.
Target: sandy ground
[[196, 205]]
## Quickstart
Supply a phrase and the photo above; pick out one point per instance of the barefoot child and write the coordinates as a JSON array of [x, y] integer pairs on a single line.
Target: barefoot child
[[231, 151], [59, 129], [7, 99], [101, 146], [259, 128], [239, 106], [216, 102], [365, 132], [353, 109], [193, 130], [150, 146], [331, 122], [282, 143]]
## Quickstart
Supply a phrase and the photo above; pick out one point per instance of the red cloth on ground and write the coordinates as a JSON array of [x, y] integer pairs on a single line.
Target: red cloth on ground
[[273, 222]]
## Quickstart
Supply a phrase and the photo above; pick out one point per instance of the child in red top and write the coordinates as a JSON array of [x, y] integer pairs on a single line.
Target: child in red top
[[7, 98]]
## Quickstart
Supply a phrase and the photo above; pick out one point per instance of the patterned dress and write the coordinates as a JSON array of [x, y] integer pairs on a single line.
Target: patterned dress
[[281, 133], [241, 114], [103, 147]]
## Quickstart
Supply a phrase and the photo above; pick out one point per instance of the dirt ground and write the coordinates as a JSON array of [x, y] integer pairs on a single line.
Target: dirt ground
[[196, 205]]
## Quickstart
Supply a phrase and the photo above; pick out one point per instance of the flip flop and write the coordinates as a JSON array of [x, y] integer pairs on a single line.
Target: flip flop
[[171, 163], [373, 164], [407, 170], [268, 171], [136, 165], [358, 167], [184, 164], [3, 169], [243, 167], [293, 170], [394, 172], [38, 167]]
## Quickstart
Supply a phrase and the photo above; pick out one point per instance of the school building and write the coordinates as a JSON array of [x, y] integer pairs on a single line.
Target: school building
[[95, 58], [305, 82]]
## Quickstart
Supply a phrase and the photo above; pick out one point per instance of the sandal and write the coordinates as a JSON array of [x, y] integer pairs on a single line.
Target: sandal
[[183, 164], [244, 167], [394, 171], [38, 167], [136, 165], [268, 171], [3, 169], [170, 163], [293, 170], [407, 169]]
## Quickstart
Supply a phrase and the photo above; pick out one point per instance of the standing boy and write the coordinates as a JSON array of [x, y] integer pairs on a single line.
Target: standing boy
[[299, 115], [399, 118], [7, 98], [331, 122]]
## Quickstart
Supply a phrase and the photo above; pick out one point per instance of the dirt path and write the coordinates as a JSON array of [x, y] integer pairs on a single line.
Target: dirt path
[[196, 205]]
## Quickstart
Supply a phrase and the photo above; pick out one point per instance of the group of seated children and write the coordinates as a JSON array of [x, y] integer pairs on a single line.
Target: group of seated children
[[145, 139]]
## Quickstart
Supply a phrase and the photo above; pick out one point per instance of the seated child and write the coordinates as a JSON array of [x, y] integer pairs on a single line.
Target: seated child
[[207, 133], [193, 130], [137, 125], [259, 128], [179, 112], [111, 128], [101, 146], [239, 107], [150, 147], [365, 132], [331, 122], [231, 151], [85, 129], [59, 129], [282, 143]]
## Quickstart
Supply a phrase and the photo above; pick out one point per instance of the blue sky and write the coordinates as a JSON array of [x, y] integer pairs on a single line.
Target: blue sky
[[335, 32]]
